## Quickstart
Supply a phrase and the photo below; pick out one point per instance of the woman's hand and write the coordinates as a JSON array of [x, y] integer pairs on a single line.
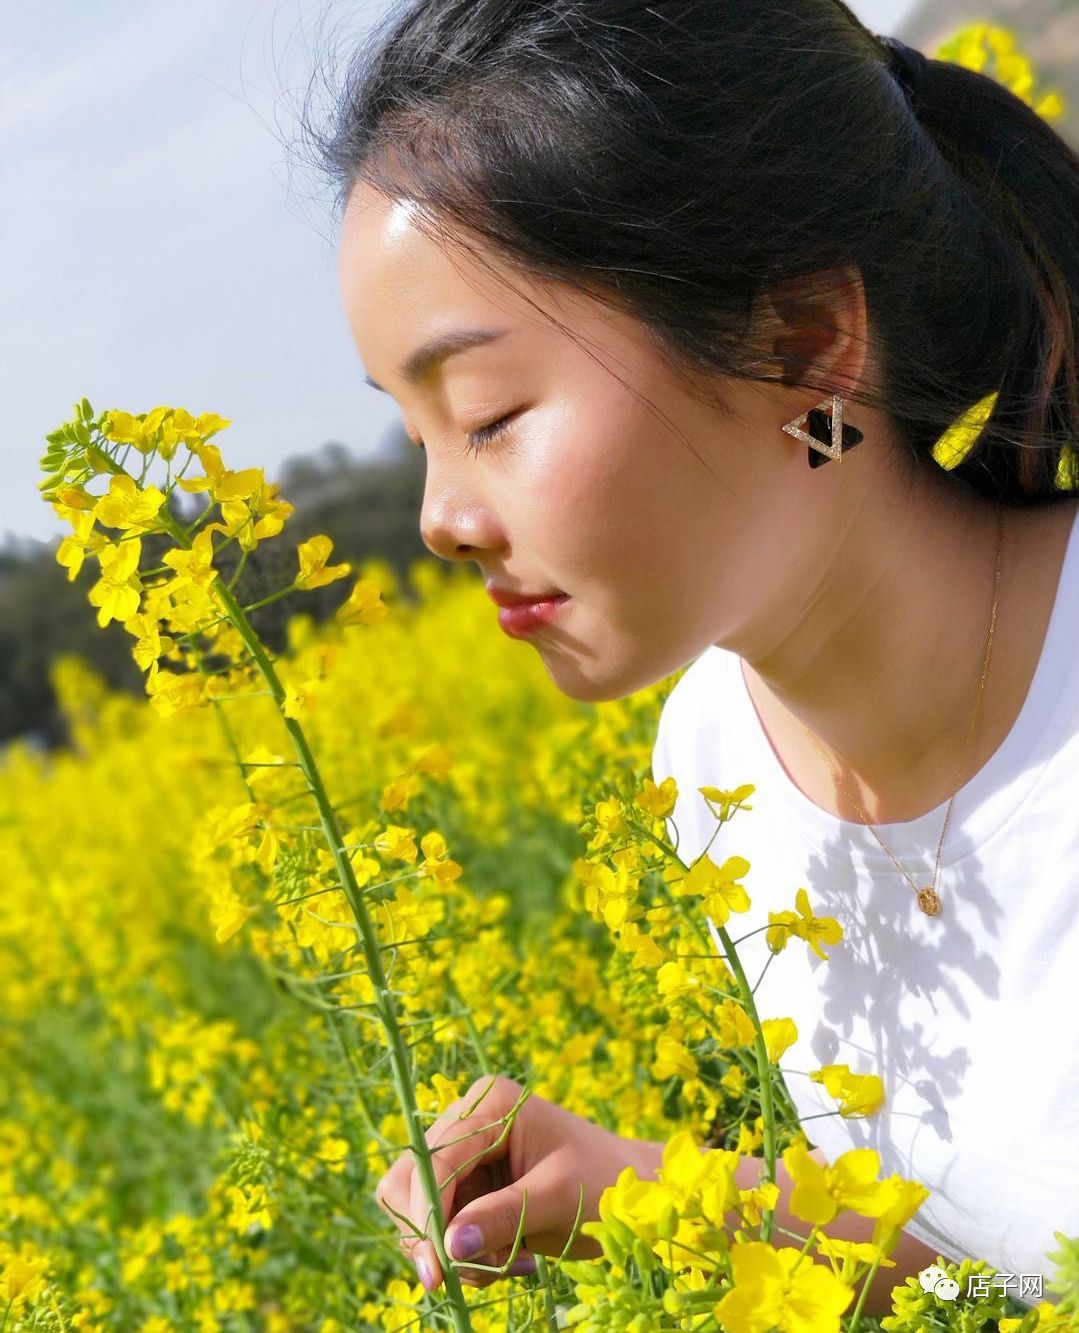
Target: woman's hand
[[547, 1151]]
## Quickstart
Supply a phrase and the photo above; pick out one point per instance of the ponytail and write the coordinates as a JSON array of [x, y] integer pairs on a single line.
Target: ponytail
[[1026, 178]]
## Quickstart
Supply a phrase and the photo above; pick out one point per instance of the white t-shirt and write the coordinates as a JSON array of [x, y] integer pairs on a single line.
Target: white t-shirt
[[970, 1018]]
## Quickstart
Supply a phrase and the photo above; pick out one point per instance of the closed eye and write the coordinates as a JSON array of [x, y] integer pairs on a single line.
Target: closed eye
[[477, 439]]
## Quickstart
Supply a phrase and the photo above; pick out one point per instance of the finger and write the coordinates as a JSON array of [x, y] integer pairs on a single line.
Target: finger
[[535, 1206], [469, 1133], [398, 1192], [393, 1192]]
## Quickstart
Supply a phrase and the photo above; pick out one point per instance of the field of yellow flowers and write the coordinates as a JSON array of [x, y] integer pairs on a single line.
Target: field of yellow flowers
[[264, 926]]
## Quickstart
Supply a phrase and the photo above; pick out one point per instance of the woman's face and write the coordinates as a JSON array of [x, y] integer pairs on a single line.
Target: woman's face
[[662, 546]]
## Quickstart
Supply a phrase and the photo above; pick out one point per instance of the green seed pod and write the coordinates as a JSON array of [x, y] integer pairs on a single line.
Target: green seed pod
[[667, 1226], [613, 1247], [642, 1255]]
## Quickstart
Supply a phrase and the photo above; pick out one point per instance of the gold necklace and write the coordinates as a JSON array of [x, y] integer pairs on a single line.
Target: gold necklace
[[928, 898]]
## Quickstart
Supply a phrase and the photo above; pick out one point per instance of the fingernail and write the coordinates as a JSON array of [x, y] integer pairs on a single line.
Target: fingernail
[[466, 1242], [522, 1267], [423, 1268]]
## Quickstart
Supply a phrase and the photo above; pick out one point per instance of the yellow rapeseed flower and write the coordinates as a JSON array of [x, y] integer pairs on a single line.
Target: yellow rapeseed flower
[[822, 1191], [1050, 1320], [991, 50], [812, 929], [140, 431], [300, 698], [728, 801], [193, 566], [73, 549], [659, 800], [735, 1025], [779, 1034], [694, 1178], [172, 692], [646, 952], [846, 1256], [734, 1080], [673, 979], [760, 1199], [363, 606], [314, 572], [397, 843], [903, 1198], [228, 915], [150, 643], [780, 1289], [248, 1205], [333, 1152], [717, 886], [118, 592], [222, 483], [126, 506], [858, 1094], [750, 1137], [21, 1279], [672, 1058]]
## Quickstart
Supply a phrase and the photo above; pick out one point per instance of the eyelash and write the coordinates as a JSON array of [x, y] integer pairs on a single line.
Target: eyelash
[[477, 440]]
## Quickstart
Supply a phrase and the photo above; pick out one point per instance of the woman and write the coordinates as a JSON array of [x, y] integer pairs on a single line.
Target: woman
[[679, 298]]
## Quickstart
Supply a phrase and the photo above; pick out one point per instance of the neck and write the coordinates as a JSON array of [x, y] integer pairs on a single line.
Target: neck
[[883, 658]]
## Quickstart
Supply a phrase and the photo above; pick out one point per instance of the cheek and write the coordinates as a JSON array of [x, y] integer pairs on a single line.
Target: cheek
[[611, 493]]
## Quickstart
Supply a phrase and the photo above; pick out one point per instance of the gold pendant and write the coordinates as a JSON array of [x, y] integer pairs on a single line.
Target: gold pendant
[[929, 901]]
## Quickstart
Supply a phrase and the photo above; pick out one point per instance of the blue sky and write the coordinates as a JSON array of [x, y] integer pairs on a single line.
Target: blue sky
[[158, 245]]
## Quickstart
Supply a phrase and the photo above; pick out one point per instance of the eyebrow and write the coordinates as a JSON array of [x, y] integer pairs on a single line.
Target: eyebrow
[[432, 353]]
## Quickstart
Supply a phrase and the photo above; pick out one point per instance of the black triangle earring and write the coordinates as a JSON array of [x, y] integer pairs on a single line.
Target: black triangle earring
[[826, 439]]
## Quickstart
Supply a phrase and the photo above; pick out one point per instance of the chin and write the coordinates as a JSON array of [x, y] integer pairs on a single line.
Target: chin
[[589, 680]]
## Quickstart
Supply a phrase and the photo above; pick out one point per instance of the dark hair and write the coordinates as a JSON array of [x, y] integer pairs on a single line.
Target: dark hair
[[679, 158]]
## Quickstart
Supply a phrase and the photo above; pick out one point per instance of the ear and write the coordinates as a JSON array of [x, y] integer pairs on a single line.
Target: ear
[[814, 328]]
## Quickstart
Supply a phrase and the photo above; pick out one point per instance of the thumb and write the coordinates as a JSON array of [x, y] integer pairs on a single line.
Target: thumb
[[488, 1225]]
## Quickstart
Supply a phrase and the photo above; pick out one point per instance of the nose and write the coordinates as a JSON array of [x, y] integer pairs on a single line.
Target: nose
[[454, 524]]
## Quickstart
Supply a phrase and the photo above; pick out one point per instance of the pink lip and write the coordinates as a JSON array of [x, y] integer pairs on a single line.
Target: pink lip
[[527, 617], [507, 597]]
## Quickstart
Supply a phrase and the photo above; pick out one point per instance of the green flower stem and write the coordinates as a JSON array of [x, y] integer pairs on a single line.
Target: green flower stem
[[544, 1277], [764, 1075], [400, 1062], [764, 1072], [867, 1283], [234, 749], [764, 969], [805, 1248], [240, 565]]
